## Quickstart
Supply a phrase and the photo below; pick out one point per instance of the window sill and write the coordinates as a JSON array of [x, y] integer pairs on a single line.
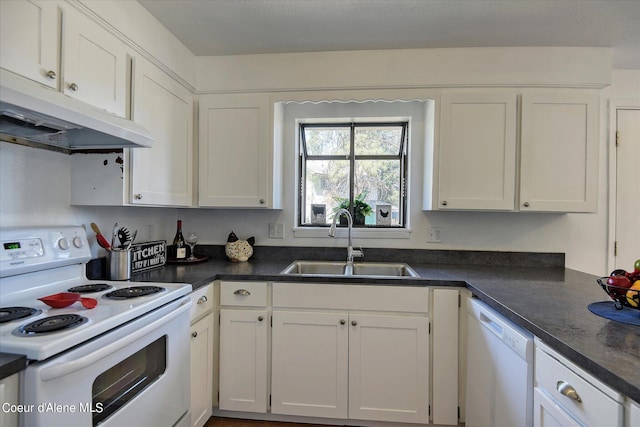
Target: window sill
[[356, 233]]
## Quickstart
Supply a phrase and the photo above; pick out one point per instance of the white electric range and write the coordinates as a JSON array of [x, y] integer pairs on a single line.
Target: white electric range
[[123, 362]]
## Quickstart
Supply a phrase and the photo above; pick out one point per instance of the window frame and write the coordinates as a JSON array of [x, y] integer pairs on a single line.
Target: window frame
[[402, 157]]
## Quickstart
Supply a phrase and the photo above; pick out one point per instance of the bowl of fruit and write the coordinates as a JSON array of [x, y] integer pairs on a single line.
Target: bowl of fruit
[[623, 287]]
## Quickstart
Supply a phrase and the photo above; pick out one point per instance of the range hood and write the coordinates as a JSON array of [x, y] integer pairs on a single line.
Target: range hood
[[38, 116]]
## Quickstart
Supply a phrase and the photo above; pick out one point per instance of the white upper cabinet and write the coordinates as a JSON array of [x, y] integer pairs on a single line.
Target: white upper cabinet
[[29, 42], [90, 64], [477, 152], [163, 174], [236, 152], [559, 166]]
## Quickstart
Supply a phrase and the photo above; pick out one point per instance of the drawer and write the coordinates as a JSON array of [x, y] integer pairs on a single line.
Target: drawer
[[202, 302], [243, 294], [599, 405], [351, 297]]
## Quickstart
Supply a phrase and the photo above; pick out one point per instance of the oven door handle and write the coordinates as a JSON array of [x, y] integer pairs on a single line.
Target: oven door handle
[[66, 368]]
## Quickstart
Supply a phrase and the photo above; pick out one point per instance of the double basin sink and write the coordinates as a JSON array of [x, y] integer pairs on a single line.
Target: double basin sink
[[356, 269]]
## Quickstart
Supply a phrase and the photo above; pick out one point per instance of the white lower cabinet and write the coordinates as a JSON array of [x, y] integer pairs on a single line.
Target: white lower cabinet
[[334, 357], [633, 415], [9, 395], [243, 347], [565, 395], [202, 337]]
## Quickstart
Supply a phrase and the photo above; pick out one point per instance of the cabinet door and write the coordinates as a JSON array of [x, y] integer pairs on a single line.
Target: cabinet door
[[389, 368], [162, 174], [29, 42], [243, 360], [546, 413], [95, 64], [234, 151], [559, 152], [201, 370], [477, 151], [310, 364]]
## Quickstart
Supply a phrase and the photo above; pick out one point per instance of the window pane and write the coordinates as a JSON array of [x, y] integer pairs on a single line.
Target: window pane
[[327, 180], [322, 141], [380, 181], [378, 140]]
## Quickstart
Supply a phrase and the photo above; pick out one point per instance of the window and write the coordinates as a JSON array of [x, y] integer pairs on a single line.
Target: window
[[352, 165]]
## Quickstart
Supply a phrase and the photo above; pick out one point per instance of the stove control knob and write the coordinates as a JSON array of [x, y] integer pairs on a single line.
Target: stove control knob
[[63, 244], [77, 242]]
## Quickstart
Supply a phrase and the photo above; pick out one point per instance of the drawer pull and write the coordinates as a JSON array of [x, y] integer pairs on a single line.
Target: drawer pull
[[202, 299], [354, 323], [242, 292], [194, 334], [260, 318], [567, 389], [342, 321]]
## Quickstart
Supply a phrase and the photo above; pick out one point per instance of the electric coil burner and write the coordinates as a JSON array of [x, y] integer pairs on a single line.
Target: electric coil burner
[[133, 292], [8, 314], [90, 288], [50, 324]]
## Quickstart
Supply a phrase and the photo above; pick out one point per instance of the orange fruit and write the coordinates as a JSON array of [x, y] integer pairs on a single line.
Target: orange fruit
[[633, 294]]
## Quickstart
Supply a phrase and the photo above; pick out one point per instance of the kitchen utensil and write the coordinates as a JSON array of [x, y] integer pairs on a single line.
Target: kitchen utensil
[[61, 300], [119, 261], [114, 233], [99, 237], [88, 302], [135, 233], [124, 236]]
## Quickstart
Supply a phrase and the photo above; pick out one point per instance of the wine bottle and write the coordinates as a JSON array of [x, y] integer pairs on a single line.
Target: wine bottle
[[179, 243]]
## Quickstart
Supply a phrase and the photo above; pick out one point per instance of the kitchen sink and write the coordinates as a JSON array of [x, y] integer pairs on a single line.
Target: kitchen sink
[[357, 269]]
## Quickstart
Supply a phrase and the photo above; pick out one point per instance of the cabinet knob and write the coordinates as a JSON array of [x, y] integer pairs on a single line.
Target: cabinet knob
[[525, 204], [567, 389], [260, 318], [342, 321], [52, 74], [242, 292], [194, 334], [202, 299], [444, 203], [137, 196], [262, 201], [73, 87], [354, 323]]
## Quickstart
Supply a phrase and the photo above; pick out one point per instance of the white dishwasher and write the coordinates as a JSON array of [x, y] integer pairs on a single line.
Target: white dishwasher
[[499, 370]]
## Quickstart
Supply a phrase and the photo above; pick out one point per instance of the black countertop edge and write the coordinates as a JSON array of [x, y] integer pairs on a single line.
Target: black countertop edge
[[11, 364]]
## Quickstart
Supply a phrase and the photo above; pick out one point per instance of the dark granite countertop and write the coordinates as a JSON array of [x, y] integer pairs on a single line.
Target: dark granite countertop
[[539, 295], [11, 364]]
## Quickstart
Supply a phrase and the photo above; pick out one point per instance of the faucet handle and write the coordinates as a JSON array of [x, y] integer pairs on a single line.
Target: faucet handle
[[357, 253]]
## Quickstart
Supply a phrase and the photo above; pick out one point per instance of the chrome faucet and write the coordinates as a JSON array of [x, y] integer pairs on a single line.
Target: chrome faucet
[[351, 253]]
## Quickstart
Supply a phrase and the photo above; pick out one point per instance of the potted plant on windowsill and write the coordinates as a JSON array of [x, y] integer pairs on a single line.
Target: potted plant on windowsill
[[360, 209]]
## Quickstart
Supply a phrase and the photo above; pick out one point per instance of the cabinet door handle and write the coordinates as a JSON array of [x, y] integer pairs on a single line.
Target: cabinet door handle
[[138, 196], [202, 299], [51, 74], [242, 292], [73, 87], [525, 204], [260, 318], [444, 203], [262, 201], [567, 389], [354, 323], [194, 334], [342, 321]]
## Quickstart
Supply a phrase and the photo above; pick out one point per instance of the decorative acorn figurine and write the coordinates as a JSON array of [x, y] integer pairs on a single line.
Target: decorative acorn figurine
[[239, 250]]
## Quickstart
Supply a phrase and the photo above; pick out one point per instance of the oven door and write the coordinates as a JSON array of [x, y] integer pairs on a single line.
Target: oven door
[[135, 375]]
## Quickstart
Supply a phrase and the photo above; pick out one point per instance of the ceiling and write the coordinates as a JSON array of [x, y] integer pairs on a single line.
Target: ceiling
[[236, 27]]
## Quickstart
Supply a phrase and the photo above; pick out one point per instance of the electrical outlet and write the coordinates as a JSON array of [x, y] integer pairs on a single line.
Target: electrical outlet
[[434, 235], [276, 230]]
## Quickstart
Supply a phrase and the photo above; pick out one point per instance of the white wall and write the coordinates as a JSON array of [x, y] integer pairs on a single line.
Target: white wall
[[34, 189]]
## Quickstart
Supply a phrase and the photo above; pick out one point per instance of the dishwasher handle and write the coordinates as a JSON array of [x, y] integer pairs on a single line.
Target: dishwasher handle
[[492, 324]]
